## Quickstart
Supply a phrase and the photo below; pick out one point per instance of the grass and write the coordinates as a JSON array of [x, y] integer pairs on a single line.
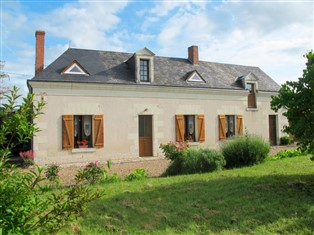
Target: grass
[[276, 197]]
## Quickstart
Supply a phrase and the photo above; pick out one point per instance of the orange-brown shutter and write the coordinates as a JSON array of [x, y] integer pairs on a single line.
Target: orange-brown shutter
[[201, 128], [180, 128], [67, 132], [240, 124], [222, 127], [98, 131]]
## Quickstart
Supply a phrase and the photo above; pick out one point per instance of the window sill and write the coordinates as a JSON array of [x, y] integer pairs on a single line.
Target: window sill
[[252, 109], [83, 150]]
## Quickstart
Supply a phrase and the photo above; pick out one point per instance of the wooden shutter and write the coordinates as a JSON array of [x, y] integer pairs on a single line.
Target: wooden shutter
[[180, 128], [201, 128], [222, 127], [240, 125], [67, 132], [98, 131]]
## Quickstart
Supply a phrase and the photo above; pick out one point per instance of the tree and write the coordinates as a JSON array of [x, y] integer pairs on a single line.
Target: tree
[[16, 124], [297, 98]]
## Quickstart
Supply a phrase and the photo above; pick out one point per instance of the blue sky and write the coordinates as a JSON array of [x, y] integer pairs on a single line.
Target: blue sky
[[273, 35]]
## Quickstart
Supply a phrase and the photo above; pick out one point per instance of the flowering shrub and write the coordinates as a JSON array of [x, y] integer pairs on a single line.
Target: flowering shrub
[[28, 158], [174, 151], [92, 172], [53, 174]]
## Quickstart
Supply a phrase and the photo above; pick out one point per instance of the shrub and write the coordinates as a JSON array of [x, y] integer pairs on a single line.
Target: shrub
[[288, 154], [53, 174], [136, 174], [244, 150], [28, 158], [285, 140], [176, 153], [185, 160], [202, 160]]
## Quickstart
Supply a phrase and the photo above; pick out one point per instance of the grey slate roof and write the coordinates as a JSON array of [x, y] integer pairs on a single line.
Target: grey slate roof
[[111, 68]]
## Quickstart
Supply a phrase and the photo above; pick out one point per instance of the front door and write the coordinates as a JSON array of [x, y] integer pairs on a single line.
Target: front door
[[272, 130], [145, 135]]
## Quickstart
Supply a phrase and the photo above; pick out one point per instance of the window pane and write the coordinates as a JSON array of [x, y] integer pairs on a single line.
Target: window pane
[[148, 126], [189, 122], [141, 126]]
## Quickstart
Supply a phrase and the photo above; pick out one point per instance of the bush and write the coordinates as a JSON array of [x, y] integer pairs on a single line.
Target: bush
[[92, 173], [53, 174], [189, 161], [202, 160], [244, 150], [285, 140], [136, 174]]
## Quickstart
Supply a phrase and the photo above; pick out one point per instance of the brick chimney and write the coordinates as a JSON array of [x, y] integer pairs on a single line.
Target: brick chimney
[[193, 54], [40, 51]]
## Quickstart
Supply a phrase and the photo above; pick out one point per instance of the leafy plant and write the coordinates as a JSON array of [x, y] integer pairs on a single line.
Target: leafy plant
[[53, 174], [287, 154], [28, 158], [174, 151], [16, 121], [136, 174], [203, 160], [93, 172], [285, 140], [244, 150]]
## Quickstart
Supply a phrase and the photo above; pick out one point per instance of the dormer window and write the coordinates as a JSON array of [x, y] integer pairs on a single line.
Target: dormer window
[[144, 70], [195, 77], [252, 95], [249, 82], [142, 62], [75, 68]]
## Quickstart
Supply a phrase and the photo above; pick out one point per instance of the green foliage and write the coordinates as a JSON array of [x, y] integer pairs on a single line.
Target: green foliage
[[136, 174], [185, 160], [174, 151], [285, 140], [202, 161], [287, 154], [92, 173], [28, 158], [52, 173], [296, 98], [244, 150], [16, 126], [25, 207]]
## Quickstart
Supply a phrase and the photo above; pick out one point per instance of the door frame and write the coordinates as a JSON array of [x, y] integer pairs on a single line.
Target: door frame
[[273, 130], [145, 141]]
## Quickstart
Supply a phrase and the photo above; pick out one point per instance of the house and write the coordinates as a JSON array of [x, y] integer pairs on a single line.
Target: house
[[121, 106]]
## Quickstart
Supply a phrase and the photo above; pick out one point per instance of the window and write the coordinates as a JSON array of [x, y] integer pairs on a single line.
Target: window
[[251, 96], [190, 128], [195, 77], [75, 68], [229, 125], [144, 70], [82, 131]]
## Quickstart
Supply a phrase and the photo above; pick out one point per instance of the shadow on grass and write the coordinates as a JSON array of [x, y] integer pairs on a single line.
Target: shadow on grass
[[267, 204]]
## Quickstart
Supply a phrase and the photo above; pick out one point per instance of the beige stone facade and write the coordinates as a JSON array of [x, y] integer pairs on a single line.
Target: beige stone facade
[[121, 106]]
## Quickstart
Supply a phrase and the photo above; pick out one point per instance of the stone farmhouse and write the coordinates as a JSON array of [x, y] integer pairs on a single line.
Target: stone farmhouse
[[105, 105]]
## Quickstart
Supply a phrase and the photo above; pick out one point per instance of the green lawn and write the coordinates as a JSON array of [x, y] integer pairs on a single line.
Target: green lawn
[[276, 197]]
